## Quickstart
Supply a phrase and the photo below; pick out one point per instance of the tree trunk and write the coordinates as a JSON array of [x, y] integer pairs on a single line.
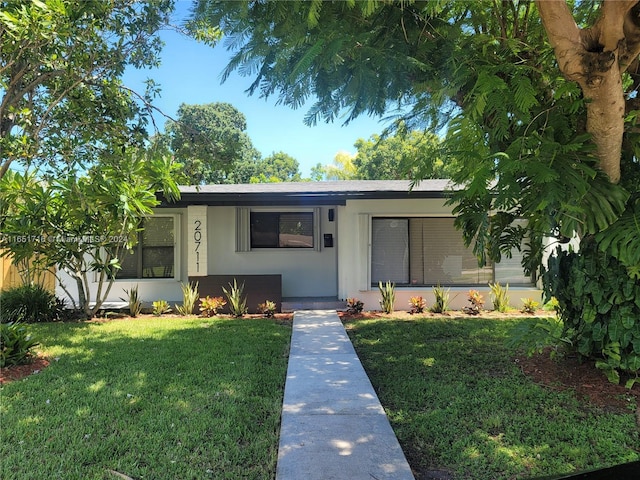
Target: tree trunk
[[596, 58]]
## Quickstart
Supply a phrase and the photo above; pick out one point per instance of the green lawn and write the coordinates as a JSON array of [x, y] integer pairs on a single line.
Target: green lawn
[[458, 402], [151, 398]]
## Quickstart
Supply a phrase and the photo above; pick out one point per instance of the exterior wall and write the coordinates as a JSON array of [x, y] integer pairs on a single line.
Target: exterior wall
[[354, 259], [305, 272]]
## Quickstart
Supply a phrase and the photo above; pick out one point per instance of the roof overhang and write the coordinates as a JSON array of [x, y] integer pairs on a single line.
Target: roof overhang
[[307, 193]]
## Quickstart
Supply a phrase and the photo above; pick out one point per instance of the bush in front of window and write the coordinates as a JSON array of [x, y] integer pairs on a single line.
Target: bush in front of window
[[441, 305], [476, 301], [417, 305], [135, 303], [388, 292], [500, 296]]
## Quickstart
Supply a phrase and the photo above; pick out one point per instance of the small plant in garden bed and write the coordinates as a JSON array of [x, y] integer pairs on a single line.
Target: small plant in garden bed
[[476, 303], [354, 306], [15, 344], [417, 304], [30, 304], [529, 305], [209, 306], [160, 307], [441, 304], [500, 297], [267, 309], [388, 292], [189, 297], [135, 304], [237, 300]]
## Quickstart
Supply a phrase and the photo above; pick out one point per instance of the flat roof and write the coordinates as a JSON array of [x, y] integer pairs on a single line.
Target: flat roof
[[307, 193]]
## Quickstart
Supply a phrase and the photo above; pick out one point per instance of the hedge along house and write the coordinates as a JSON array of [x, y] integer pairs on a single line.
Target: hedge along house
[[312, 244]]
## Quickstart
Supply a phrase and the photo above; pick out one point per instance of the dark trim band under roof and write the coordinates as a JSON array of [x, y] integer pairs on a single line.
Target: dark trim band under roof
[[306, 193]]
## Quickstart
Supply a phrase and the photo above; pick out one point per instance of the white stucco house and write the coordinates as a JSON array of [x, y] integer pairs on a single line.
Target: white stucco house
[[313, 241]]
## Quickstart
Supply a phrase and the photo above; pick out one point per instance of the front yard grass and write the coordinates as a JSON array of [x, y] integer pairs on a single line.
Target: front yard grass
[[148, 398], [460, 405]]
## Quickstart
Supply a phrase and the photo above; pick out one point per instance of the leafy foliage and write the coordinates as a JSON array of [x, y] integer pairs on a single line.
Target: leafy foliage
[[529, 305], [134, 301], [537, 336], [499, 296], [442, 294], [476, 303], [83, 222], [237, 299], [189, 298], [599, 303], [354, 306], [209, 306], [60, 70], [417, 305], [267, 309], [388, 293], [160, 306], [16, 344], [30, 304]]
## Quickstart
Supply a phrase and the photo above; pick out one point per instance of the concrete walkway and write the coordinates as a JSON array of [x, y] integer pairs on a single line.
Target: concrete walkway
[[333, 426]]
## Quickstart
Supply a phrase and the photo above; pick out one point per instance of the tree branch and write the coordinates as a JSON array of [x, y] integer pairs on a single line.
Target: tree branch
[[564, 36]]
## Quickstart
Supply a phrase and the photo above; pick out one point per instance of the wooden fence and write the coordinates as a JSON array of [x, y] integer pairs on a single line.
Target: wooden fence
[[10, 276]]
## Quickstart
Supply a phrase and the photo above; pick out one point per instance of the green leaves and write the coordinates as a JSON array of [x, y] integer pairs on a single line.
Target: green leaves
[[598, 305]]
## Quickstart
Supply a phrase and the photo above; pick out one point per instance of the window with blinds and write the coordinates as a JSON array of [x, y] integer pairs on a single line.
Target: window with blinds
[[153, 255], [423, 251], [281, 229]]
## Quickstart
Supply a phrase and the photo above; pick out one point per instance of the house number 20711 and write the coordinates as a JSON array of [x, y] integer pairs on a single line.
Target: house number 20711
[[197, 239]]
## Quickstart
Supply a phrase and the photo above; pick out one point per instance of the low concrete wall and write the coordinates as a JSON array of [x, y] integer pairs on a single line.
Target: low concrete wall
[[257, 289]]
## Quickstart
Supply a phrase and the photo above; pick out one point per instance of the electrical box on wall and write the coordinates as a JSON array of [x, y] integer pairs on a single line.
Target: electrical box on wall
[[328, 240]]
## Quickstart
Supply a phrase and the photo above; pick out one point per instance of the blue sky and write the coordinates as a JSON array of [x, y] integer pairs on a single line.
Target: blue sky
[[190, 73]]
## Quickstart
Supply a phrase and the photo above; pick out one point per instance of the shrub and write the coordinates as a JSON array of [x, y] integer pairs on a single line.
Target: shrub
[[500, 297], [30, 304], [135, 304], [441, 304], [598, 302], [237, 301], [267, 309], [15, 344], [209, 306], [354, 306], [160, 307], [388, 292], [551, 306], [536, 337], [529, 305], [189, 297], [476, 303], [417, 304]]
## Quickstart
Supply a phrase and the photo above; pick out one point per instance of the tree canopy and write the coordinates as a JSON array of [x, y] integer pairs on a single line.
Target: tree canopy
[[402, 156], [60, 76]]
